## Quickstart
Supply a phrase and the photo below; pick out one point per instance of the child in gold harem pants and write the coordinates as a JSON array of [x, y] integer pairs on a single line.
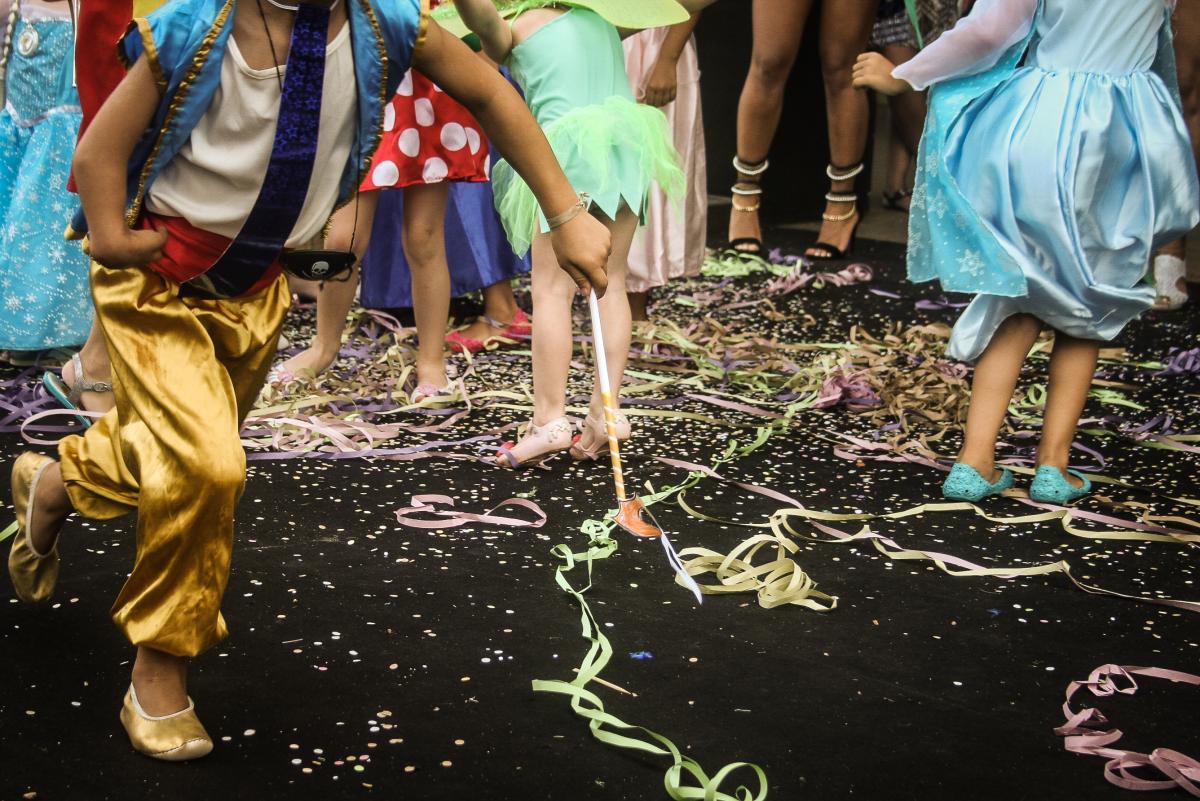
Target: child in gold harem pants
[[191, 311], [178, 414]]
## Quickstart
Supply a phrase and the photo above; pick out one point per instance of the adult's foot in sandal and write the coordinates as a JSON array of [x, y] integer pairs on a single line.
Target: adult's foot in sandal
[[745, 231], [836, 238]]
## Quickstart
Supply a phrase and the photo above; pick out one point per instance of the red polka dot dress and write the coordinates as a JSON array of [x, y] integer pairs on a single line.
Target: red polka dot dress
[[427, 138]]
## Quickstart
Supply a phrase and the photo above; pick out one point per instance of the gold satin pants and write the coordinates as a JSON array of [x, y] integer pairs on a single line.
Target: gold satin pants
[[186, 372]]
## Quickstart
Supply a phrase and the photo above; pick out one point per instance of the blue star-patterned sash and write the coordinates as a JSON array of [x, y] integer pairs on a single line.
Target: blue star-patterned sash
[[289, 171]]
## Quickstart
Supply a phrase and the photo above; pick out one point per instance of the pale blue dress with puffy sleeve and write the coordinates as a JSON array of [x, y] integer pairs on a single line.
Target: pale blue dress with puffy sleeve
[[1055, 160]]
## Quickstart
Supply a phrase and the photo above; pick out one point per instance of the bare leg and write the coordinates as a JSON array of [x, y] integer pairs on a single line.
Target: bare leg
[[499, 304], [1187, 57], [425, 247], [992, 389], [160, 680], [638, 303], [307, 290], [96, 367], [845, 30], [778, 29], [1072, 367], [53, 506], [335, 298], [899, 160], [908, 121], [553, 295], [614, 317]]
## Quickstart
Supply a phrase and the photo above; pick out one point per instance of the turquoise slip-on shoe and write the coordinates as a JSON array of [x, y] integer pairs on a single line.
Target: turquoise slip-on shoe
[[965, 484], [1051, 486]]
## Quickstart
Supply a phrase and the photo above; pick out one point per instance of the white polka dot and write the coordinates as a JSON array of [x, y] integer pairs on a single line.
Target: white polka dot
[[454, 138], [435, 171], [406, 85], [389, 117], [386, 174], [423, 111], [409, 142], [437, 88], [487, 166], [473, 140]]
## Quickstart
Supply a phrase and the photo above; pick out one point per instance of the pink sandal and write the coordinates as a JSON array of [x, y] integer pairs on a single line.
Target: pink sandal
[[543, 441], [599, 437], [519, 328]]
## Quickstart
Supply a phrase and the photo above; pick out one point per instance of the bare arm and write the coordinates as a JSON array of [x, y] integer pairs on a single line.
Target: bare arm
[[494, 33], [695, 6], [100, 166], [662, 84], [677, 38], [583, 244], [975, 44]]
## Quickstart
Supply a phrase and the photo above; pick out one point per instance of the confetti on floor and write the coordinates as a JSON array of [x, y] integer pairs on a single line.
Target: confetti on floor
[[353, 636]]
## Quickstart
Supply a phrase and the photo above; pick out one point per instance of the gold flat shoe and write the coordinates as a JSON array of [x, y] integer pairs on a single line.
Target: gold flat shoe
[[172, 738], [33, 574]]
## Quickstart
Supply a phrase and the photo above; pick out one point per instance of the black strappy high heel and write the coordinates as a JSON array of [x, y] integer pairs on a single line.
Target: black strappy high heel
[[832, 252], [750, 245]]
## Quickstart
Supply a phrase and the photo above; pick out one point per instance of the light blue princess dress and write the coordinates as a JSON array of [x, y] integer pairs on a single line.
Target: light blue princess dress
[[1055, 160], [44, 297]]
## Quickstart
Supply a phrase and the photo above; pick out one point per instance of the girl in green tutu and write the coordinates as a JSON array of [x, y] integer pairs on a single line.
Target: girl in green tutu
[[568, 59]]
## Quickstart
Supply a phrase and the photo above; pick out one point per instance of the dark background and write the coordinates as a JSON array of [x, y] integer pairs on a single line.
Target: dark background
[[796, 184]]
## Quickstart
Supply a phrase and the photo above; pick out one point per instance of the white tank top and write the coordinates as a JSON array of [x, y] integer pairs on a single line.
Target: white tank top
[[215, 178]]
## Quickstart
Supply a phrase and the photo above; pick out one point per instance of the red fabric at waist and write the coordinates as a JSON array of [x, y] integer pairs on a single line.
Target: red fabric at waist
[[190, 251]]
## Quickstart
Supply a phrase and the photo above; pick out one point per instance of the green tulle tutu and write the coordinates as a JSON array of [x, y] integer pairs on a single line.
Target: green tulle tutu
[[629, 14], [613, 150]]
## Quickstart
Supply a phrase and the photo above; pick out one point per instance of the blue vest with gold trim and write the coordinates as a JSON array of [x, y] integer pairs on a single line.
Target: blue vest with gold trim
[[185, 43]]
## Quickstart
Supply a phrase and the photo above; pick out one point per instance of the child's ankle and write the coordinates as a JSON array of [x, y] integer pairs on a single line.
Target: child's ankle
[[984, 466]]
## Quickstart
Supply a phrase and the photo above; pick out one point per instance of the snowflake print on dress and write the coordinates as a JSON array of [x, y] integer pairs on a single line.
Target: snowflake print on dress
[[43, 280]]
